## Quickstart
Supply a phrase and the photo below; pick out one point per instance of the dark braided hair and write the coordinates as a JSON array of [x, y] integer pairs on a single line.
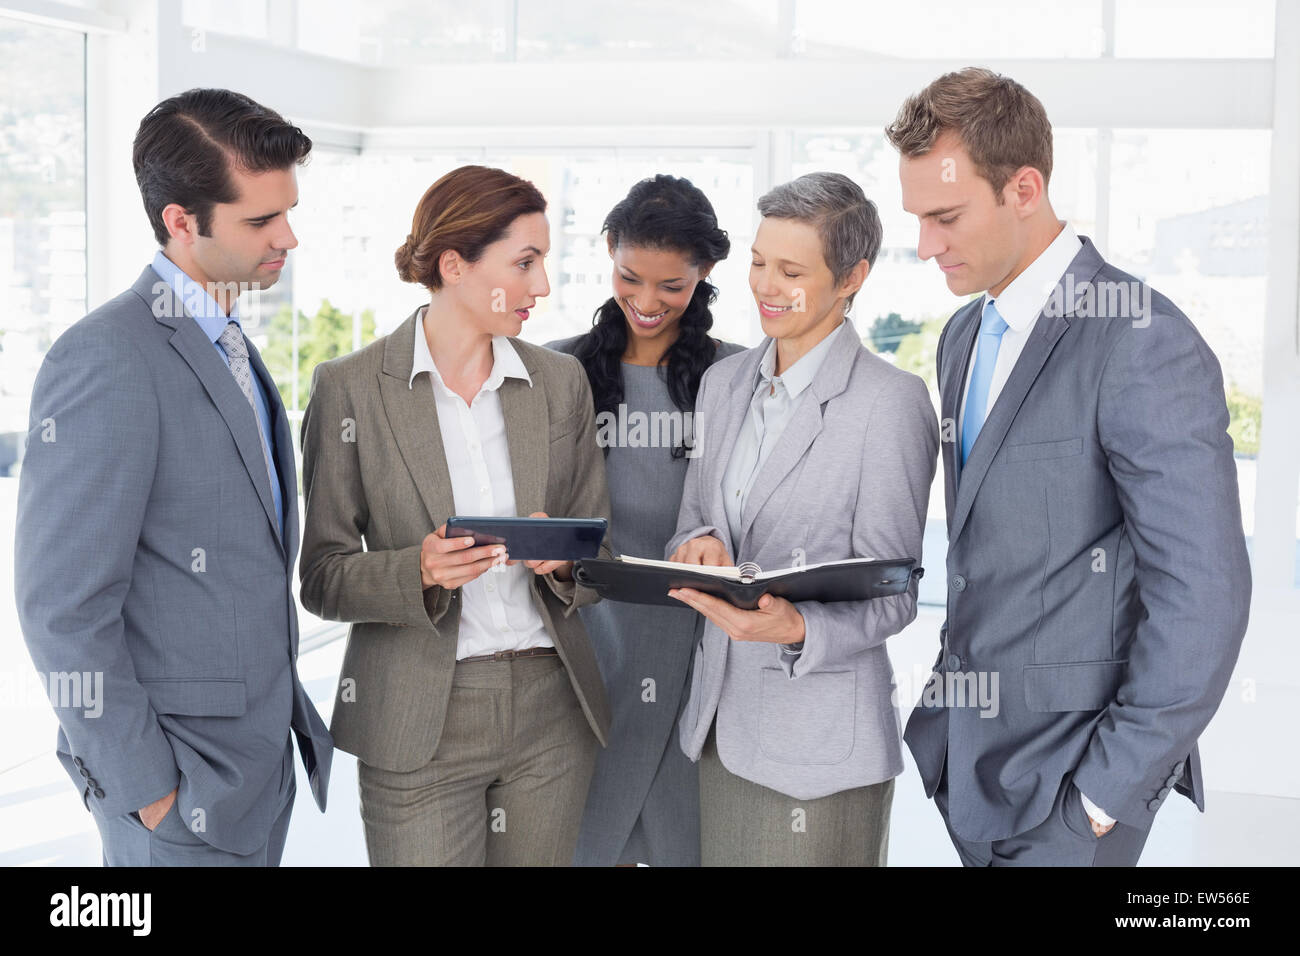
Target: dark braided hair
[[663, 212]]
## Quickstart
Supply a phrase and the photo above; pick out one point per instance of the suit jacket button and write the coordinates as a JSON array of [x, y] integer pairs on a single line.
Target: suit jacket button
[[958, 583], [1171, 780], [1162, 792], [99, 794], [1153, 803], [77, 761], [92, 783], [84, 772], [954, 662], [1178, 767]]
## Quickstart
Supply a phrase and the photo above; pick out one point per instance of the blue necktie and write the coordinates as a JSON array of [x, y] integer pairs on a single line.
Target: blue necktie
[[992, 325]]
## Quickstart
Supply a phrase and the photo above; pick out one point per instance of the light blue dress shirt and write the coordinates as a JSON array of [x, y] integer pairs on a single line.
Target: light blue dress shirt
[[774, 400], [212, 319]]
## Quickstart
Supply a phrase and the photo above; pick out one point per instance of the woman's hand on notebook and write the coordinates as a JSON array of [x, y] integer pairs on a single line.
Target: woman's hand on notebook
[[706, 549]]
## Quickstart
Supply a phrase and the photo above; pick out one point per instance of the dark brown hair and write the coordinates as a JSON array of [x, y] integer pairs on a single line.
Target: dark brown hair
[[186, 145], [1000, 123], [466, 210]]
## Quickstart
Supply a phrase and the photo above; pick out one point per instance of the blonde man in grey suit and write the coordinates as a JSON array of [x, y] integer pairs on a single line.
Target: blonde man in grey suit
[[812, 449], [469, 691], [1096, 561]]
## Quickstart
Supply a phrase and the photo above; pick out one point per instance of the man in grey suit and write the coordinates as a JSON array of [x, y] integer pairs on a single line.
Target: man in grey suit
[[157, 519], [1097, 573]]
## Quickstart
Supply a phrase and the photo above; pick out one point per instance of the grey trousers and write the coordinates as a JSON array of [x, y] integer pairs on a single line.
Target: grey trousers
[[507, 784], [1065, 838], [745, 824], [128, 842]]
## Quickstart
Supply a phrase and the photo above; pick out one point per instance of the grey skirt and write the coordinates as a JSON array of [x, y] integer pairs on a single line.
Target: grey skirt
[[745, 824]]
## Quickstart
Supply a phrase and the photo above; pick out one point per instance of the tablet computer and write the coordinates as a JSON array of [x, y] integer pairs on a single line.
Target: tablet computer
[[534, 539]]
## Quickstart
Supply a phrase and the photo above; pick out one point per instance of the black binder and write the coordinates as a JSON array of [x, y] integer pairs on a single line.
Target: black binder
[[855, 579]]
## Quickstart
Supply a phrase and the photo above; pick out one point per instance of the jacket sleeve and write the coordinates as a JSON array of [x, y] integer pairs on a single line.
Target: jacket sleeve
[[1162, 421], [83, 494], [897, 468], [341, 581]]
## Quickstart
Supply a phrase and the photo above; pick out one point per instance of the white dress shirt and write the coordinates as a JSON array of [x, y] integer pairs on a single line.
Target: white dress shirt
[[497, 612], [1020, 304], [774, 401]]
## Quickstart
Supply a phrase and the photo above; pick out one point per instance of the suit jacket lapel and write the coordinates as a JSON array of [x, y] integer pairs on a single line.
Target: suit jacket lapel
[[1047, 332], [528, 438], [957, 352], [804, 426], [413, 416], [198, 352]]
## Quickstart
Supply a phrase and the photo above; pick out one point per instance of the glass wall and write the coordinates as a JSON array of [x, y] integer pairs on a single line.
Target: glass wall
[[42, 209]]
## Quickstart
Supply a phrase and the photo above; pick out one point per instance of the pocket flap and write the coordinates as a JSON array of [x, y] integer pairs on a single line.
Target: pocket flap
[[1045, 449], [1087, 685], [197, 698]]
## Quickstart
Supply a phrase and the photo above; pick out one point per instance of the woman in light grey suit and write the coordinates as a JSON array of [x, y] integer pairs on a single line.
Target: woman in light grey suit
[[813, 450]]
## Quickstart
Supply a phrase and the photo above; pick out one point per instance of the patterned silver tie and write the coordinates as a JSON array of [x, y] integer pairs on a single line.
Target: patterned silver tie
[[232, 340]]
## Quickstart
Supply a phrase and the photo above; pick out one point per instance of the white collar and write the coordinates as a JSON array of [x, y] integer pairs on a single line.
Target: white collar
[[506, 362], [1027, 294], [801, 374]]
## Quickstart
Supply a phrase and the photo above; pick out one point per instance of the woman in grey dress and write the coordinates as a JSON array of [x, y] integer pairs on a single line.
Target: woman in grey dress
[[645, 355]]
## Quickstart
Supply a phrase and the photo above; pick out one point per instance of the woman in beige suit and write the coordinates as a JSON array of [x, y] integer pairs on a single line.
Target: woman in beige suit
[[469, 691]]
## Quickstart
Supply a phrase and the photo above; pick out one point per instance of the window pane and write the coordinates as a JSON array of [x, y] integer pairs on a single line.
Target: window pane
[[1194, 28], [1189, 215], [832, 29], [415, 32], [42, 210], [245, 18], [648, 30], [356, 211]]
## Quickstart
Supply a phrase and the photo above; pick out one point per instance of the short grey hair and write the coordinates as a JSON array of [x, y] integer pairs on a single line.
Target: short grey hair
[[834, 205]]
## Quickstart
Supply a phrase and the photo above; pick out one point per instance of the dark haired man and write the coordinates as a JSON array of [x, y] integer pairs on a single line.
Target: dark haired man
[[157, 520], [1096, 563]]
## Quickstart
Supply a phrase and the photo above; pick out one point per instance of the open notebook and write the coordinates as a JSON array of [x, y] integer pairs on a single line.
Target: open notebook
[[646, 581]]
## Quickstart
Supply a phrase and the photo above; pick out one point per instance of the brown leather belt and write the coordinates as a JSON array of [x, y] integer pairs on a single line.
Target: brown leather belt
[[511, 655]]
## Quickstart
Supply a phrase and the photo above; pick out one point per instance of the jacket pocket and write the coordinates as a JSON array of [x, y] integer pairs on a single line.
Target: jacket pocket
[[807, 721], [1087, 685], [564, 426], [197, 698], [1045, 449]]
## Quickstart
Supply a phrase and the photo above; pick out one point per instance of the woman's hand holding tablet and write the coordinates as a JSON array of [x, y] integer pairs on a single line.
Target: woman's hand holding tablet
[[450, 562], [546, 545]]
